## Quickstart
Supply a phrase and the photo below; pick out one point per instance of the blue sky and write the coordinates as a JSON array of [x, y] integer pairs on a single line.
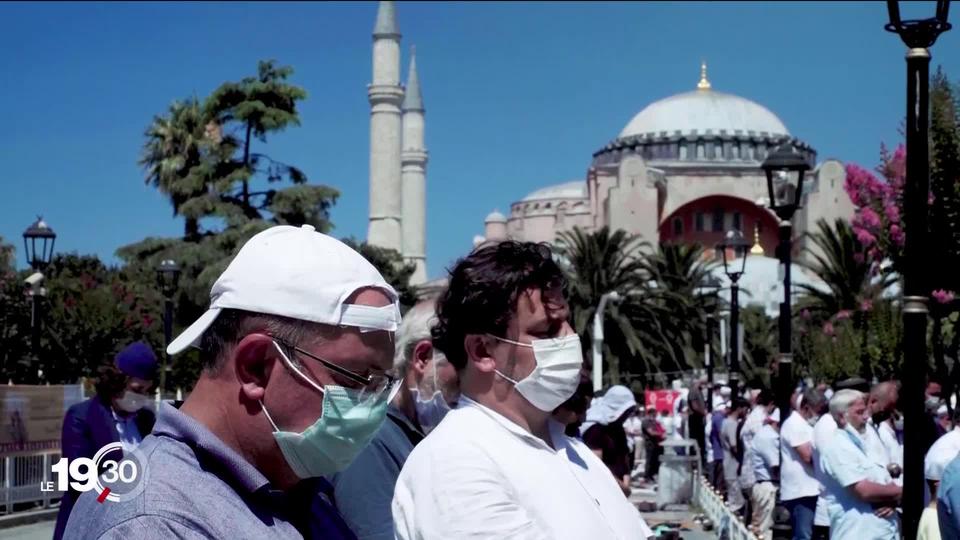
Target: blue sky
[[518, 95]]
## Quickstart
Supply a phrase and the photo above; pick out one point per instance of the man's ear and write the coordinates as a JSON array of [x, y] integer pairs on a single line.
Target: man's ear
[[421, 355], [478, 351], [254, 358]]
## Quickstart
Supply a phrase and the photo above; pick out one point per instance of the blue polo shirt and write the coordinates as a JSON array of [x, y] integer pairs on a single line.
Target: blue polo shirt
[[195, 486]]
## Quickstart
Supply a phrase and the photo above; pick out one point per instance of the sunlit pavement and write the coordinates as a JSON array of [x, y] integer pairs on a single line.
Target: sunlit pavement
[[34, 531]]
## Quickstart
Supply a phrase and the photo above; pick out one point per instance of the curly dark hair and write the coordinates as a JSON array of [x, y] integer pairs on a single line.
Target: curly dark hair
[[484, 287]]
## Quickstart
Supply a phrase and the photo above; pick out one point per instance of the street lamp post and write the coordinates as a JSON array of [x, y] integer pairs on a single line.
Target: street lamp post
[[785, 169], [706, 293], [38, 241], [168, 277], [736, 246], [919, 36], [597, 343]]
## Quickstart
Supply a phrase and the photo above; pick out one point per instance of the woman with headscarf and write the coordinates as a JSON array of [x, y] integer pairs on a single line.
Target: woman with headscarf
[[604, 434]]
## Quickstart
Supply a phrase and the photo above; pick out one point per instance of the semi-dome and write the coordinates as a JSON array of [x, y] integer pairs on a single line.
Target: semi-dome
[[576, 189], [704, 111], [495, 217]]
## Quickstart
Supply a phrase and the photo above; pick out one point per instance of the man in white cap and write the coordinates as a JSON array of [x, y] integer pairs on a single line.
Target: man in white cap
[[295, 346], [499, 466], [607, 436]]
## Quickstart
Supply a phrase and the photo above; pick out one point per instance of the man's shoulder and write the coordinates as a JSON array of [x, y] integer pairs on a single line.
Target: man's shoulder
[[175, 488]]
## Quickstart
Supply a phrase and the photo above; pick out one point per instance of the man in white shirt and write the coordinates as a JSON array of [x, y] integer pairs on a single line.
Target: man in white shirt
[[822, 433], [764, 404], [882, 405], [731, 463], [498, 466], [943, 451], [765, 462], [861, 496], [799, 488]]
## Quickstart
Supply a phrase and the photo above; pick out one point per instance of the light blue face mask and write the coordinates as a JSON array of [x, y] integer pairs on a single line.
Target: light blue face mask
[[349, 420]]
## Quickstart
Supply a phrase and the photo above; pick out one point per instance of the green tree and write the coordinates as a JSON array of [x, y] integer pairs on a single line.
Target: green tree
[[8, 256], [759, 345]]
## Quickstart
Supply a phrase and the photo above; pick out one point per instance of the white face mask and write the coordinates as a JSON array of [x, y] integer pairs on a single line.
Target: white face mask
[[132, 402], [557, 374], [430, 411]]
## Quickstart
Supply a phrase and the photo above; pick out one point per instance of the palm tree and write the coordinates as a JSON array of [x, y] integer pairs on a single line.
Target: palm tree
[[172, 153], [597, 263], [841, 263], [853, 286]]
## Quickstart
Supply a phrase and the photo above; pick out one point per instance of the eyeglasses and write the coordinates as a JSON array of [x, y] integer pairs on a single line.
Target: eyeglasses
[[372, 384]]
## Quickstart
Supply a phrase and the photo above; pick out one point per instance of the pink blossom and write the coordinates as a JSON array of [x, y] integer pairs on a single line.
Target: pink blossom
[[869, 218], [866, 305], [892, 212], [930, 198], [874, 253], [942, 296], [858, 258], [897, 235], [866, 239], [828, 329], [843, 314], [805, 314]]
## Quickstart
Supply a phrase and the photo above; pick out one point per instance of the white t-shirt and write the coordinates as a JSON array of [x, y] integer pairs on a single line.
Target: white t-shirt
[[875, 447], [940, 455], [481, 476], [822, 433], [888, 436], [796, 476]]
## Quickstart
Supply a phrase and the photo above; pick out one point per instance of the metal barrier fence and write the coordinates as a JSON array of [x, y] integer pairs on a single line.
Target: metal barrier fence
[[711, 502], [21, 476]]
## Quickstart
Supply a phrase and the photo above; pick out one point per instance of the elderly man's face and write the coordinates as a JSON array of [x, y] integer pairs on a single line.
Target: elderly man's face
[[856, 415]]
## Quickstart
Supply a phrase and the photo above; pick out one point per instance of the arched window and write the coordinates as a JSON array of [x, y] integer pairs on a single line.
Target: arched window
[[701, 151], [677, 226]]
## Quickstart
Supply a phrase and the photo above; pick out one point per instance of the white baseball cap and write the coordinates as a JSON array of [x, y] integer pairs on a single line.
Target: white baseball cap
[[299, 273]]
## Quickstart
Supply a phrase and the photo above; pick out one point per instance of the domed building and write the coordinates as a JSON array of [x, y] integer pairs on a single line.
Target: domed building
[[684, 169]]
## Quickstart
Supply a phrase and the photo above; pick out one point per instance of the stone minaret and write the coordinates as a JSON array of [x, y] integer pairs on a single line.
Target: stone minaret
[[414, 176], [385, 95]]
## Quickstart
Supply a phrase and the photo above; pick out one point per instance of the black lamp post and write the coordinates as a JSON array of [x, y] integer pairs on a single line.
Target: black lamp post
[[168, 278], [785, 169], [38, 241], [918, 35], [736, 246], [707, 295]]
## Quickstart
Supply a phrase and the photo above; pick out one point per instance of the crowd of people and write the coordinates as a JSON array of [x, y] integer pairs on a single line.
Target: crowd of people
[[835, 464], [321, 414]]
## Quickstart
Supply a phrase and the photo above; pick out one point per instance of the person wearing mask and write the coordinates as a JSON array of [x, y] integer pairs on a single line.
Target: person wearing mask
[[499, 466], [944, 425], [943, 451], [121, 411], [363, 491], [653, 435], [731, 462], [799, 488], [763, 404], [295, 346], [822, 434], [861, 496], [607, 437], [765, 462], [948, 501], [880, 438]]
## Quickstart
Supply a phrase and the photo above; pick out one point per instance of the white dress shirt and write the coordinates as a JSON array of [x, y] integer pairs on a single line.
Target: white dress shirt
[[480, 475], [130, 437]]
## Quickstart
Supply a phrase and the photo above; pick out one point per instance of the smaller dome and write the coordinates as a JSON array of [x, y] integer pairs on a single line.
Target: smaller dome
[[495, 217], [575, 189]]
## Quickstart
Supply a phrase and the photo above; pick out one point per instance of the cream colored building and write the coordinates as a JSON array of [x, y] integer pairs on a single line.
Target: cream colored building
[[685, 168]]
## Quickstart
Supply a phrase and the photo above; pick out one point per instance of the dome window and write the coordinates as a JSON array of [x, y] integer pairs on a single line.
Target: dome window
[[698, 222], [683, 151], [677, 226], [701, 151]]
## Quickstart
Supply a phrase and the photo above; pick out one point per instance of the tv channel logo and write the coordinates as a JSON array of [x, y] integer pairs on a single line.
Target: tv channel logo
[[121, 480]]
